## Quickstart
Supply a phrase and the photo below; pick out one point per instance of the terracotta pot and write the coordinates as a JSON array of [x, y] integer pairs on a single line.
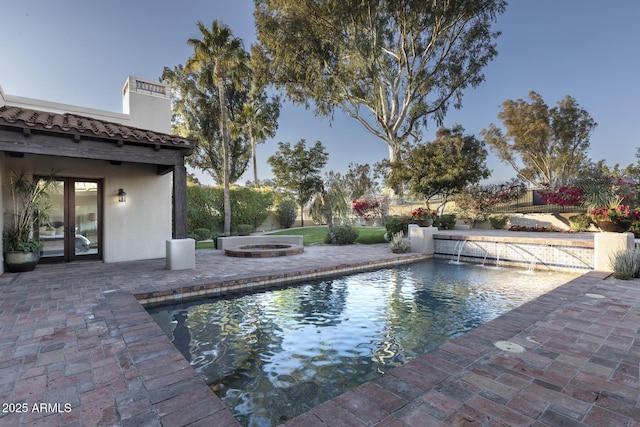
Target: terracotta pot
[[18, 262], [424, 222], [614, 227]]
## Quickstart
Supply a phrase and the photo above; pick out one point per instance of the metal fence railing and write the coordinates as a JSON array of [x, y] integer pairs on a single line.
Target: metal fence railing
[[528, 202]]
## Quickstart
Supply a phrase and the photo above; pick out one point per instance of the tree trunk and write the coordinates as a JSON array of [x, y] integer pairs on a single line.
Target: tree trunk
[[396, 191], [225, 148], [255, 160], [301, 214], [328, 216]]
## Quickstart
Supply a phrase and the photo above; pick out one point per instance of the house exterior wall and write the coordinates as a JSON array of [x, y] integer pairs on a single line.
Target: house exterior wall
[[145, 104], [140, 227], [136, 229]]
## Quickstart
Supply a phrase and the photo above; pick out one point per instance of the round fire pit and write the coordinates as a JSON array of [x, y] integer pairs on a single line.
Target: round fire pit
[[266, 250]]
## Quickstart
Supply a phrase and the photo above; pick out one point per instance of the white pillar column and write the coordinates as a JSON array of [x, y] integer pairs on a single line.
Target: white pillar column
[[606, 245], [421, 239], [181, 254]]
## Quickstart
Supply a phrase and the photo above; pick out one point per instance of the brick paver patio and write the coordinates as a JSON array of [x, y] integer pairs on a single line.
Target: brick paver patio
[[78, 349]]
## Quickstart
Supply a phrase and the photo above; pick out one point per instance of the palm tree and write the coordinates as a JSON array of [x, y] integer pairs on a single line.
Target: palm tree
[[224, 54], [259, 119]]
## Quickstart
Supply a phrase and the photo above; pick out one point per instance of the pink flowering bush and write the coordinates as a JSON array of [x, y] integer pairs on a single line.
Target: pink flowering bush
[[537, 228], [563, 196], [367, 208], [505, 192]]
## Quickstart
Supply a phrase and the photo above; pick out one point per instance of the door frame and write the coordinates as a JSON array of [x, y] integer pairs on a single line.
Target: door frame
[[69, 208]]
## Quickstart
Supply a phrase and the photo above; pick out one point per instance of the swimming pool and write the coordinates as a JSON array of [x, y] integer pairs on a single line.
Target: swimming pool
[[273, 355]]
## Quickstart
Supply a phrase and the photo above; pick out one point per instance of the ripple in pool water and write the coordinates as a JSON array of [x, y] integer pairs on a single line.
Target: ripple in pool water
[[273, 355]]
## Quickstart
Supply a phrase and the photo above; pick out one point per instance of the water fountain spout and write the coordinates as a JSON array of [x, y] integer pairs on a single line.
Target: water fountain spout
[[460, 251]]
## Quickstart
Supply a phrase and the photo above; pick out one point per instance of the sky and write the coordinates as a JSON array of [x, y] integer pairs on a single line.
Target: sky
[[80, 52]]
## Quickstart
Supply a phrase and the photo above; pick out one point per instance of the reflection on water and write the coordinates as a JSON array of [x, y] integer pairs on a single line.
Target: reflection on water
[[273, 355]]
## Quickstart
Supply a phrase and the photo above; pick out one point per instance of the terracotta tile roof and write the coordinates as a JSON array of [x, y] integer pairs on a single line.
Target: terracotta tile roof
[[74, 124]]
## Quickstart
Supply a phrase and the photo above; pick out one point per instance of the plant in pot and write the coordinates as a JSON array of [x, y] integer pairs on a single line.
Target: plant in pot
[[30, 203], [614, 216], [423, 216]]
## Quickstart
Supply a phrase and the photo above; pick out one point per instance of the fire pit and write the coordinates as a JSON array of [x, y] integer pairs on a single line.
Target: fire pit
[[266, 250]]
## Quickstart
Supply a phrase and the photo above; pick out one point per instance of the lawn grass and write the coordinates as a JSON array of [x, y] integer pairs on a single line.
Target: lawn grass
[[205, 245], [311, 235]]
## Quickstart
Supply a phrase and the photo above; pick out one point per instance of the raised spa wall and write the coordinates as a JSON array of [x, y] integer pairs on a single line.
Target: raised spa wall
[[538, 254], [557, 253]]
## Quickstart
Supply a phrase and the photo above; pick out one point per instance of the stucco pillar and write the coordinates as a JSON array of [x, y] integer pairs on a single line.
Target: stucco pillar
[[606, 245], [181, 254], [421, 239]]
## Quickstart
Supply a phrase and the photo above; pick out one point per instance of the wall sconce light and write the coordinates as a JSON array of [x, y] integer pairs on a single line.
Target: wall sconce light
[[122, 196]]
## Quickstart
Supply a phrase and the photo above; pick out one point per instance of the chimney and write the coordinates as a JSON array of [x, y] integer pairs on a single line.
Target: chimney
[[148, 104]]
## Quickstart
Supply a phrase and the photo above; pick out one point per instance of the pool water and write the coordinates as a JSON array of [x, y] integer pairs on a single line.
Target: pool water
[[273, 355]]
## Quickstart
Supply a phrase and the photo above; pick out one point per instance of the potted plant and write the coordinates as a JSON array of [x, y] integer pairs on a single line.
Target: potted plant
[[30, 203], [614, 216], [423, 216]]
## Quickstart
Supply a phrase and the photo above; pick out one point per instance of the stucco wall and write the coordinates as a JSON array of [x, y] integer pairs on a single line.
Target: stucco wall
[[2, 204], [137, 229]]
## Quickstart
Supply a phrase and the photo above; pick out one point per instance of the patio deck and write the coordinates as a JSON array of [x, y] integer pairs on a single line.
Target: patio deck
[[76, 335]]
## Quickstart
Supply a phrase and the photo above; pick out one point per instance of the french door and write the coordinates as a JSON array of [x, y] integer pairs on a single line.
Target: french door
[[74, 229]]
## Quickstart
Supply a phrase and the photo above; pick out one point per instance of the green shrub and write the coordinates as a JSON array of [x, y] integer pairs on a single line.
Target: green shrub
[[250, 206], [445, 222], [287, 211], [398, 245], [345, 235], [498, 221], [244, 229], [202, 208], [201, 234], [396, 224], [205, 206], [580, 222], [626, 264]]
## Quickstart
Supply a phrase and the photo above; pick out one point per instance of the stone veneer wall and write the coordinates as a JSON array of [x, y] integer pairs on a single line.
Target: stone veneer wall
[[557, 255]]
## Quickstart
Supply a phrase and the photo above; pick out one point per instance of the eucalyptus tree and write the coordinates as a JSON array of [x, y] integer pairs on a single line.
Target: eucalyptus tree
[[543, 145], [360, 181], [390, 65], [223, 57]]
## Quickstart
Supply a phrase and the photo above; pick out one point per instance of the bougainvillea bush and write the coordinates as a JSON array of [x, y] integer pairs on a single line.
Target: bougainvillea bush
[[367, 208], [563, 196], [537, 228]]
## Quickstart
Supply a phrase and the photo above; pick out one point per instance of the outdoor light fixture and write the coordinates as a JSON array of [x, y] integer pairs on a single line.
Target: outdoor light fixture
[[122, 196]]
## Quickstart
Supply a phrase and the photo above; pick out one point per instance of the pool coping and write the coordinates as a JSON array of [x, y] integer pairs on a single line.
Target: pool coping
[[251, 283], [98, 347]]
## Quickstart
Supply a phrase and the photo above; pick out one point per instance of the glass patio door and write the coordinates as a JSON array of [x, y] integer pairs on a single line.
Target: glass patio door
[[74, 228]]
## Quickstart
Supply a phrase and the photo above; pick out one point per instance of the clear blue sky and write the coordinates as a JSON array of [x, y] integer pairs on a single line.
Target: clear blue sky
[[80, 52]]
